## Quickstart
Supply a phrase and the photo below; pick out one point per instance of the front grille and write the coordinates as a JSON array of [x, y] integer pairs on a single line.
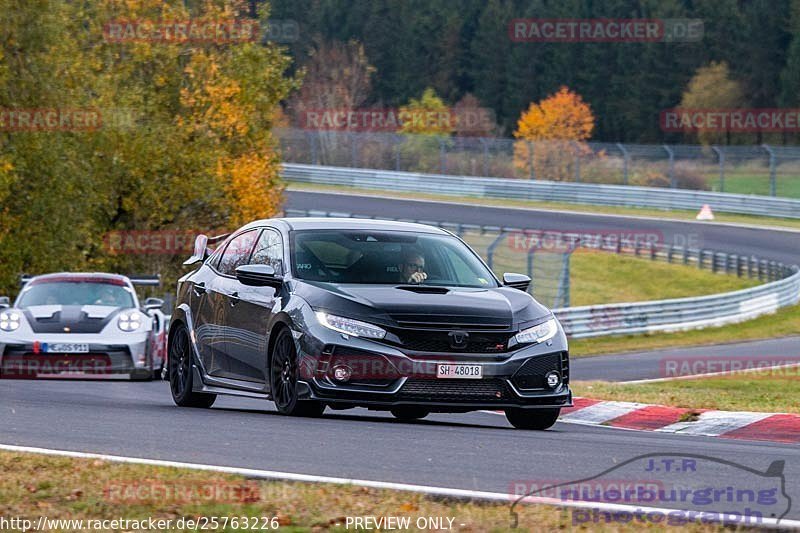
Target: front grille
[[465, 322], [439, 341], [456, 390], [530, 376]]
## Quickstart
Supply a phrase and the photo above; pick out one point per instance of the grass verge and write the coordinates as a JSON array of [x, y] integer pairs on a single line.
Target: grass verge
[[788, 223], [770, 391], [784, 323], [64, 488], [603, 277]]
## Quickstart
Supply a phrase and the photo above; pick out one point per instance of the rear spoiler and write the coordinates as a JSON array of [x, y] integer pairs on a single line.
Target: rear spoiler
[[154, 281], [201, 250]]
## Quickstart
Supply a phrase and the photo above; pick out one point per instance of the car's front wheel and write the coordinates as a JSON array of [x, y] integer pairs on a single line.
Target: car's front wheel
[[180, 373], [283, 379], [532, 418]]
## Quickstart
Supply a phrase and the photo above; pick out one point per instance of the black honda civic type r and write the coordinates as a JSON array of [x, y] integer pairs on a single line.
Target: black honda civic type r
[[326, 312]]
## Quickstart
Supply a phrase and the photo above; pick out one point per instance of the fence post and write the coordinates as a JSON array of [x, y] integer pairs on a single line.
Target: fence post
[[671, 169], [577, 161], [312, 141], [491, 248], [772, 184], [397, 143], [485, 143], [442, 156], [625, 159], [566, 283], [353, 154], [721, 159], [531, 173]]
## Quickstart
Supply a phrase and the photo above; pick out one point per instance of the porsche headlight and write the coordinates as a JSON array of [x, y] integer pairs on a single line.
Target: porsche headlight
[[9, 320], [356, 328], [540, 333], [129, 321]]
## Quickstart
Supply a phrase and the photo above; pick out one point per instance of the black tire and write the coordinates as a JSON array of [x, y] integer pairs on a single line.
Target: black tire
[[180, 373], [283, 372], [532, 418], [409, 412]]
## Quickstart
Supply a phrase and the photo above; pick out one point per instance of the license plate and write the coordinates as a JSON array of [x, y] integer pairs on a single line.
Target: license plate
[[65, 347], [459, 371]]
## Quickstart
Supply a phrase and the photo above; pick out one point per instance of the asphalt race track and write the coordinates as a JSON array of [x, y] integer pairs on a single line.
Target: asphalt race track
[[475, 451]]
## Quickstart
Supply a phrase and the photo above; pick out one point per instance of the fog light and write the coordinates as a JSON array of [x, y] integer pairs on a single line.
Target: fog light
[[553, 379], [342, 373]]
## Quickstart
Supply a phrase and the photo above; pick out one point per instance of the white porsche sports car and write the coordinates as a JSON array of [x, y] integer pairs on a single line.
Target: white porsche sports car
[[85, 325]]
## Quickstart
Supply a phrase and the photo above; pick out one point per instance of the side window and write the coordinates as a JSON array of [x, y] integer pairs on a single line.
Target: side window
[[237, 252], [269, 251]]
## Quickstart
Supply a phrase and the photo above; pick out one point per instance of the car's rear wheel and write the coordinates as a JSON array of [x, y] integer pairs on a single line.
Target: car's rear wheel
[[532, 418], [283, 379], [410, 412], [180, 373]]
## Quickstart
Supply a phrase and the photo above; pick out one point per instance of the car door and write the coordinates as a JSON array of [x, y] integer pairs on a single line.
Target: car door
[[249, 316], [220, 298], [206, 302]]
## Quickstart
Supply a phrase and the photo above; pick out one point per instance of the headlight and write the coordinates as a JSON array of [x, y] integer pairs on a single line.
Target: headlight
[[542, 332], [356, 328], [9, 320], [129, 321]]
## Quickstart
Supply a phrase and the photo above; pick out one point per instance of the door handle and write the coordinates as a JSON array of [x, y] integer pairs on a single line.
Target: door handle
[[199, 288], [234, 298]]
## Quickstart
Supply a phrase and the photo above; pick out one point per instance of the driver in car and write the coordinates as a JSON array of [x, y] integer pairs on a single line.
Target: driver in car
[[412, 269]]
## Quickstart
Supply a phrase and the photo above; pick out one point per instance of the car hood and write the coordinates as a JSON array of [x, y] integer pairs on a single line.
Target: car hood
[[424, 306], [77, 318]]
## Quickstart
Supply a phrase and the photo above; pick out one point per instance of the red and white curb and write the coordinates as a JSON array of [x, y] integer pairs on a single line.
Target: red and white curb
[[703, 422]]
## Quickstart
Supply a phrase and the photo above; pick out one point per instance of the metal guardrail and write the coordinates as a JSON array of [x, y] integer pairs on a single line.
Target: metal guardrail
[[546, 191], [677, 314], [681, 313]]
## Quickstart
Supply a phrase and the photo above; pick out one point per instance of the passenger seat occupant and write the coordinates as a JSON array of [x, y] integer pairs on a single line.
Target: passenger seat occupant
[[412, 269]]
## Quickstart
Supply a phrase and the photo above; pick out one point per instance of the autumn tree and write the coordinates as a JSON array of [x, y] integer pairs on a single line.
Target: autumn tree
[[555, 130], [427, 123], [337, 78], [185, 141], [712, 87]]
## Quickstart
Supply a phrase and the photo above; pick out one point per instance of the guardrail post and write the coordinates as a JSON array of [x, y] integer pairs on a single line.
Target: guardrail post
[[625, 161], [671, 168], [491, 248], [685, 255], [531, 173], [653, 251], [772, 184], [721, 160], [701, 255]]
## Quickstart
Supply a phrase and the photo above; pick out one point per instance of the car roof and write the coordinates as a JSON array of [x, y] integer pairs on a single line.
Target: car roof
[[312, 223]]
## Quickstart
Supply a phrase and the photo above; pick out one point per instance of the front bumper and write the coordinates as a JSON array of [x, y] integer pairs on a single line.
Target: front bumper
[[383, 377], [21, 359]]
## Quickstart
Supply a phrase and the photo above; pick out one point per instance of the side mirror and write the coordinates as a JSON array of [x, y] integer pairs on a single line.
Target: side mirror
[[517, 281], [259, 276], [5, 302], [153, 303]]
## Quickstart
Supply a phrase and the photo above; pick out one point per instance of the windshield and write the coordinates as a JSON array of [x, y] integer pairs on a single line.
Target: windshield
[[386, 257], [75, 293]]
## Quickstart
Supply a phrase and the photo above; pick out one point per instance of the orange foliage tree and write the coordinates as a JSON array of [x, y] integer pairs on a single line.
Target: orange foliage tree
[[555, 129]]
